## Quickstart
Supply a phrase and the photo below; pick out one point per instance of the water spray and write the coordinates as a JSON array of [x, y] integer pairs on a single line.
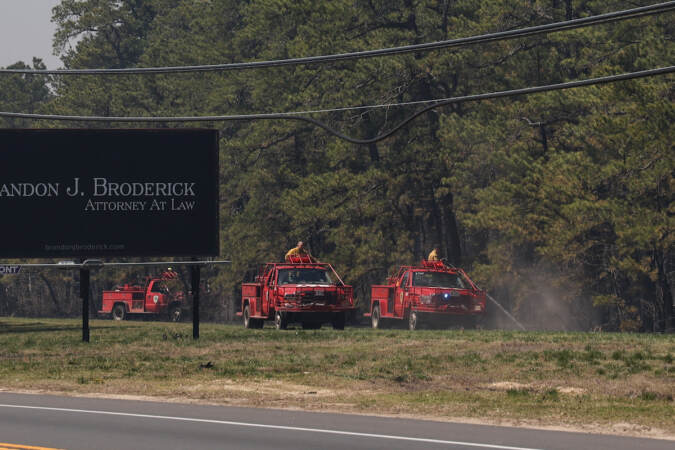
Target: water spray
[[520, 325]]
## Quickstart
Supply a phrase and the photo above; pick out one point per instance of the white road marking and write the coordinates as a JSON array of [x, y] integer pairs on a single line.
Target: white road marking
[[274, 427]]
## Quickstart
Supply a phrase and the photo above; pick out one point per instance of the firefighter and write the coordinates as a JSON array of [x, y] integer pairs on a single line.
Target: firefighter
[[299, 250], [433, 256]]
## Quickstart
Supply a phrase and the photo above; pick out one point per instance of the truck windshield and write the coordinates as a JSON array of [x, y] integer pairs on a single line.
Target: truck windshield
[[305, 276], [440, 279], [160, 287], [166, 286]]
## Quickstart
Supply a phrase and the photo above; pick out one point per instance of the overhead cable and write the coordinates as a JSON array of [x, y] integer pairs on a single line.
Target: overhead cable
[[301, 115], [658, 8]]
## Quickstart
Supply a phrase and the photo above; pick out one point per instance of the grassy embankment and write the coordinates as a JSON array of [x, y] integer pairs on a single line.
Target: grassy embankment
[[596, 381]]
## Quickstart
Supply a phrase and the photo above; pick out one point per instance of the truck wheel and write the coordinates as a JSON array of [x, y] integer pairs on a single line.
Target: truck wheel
[[375, 317], [175, 314], [280, 320], [338, 321], [118, 312], [413, 321], [248, 322], [470, 322]]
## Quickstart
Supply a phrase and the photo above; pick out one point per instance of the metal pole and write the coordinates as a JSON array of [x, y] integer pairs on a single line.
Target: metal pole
[[84, 294], [194, 270]]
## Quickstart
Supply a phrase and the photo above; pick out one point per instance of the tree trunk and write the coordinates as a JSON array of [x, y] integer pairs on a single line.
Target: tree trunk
[[569, 12], [453, 247], [52, 294], [666, 321]]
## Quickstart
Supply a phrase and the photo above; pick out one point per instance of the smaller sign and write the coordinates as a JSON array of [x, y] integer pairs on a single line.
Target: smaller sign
[[9, 270]]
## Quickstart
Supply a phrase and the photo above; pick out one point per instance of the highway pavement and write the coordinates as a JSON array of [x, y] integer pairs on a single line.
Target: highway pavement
[[48, 421]]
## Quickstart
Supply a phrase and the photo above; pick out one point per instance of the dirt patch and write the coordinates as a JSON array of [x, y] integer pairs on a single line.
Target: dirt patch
[[277, 388], [509, 385], [571, 390], [530, 387]]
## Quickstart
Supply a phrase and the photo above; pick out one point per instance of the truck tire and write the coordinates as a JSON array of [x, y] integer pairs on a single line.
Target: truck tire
[[311, 325], [470, 323], [338, 321], [175, 313], [119, 312], [375, 318], [280, 320], [248, 322], [413, 321]]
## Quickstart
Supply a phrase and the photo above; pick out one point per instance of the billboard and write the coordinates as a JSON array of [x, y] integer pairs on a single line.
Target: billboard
[[108, 192]]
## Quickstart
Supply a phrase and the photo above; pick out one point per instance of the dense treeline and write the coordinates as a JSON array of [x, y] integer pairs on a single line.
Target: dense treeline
[[559, 203]]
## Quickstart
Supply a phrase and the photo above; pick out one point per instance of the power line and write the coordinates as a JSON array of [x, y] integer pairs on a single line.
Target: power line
[[658, 8], [298, 115]]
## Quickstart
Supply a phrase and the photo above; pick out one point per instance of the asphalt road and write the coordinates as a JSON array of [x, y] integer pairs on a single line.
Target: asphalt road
[[85, 423]]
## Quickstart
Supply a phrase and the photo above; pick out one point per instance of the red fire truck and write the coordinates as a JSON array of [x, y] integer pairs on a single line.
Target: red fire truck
[[298, 290], [431, 292], [153, 299]]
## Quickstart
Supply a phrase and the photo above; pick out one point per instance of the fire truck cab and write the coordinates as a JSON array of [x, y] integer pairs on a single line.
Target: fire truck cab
[[298, 290], [428, 292]]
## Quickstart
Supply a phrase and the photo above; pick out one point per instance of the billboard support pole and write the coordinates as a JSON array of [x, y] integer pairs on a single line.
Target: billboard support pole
[[84, 294], [195, 275]]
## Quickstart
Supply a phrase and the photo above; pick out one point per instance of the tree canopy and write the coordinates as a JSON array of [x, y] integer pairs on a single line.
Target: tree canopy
[[559, 203]]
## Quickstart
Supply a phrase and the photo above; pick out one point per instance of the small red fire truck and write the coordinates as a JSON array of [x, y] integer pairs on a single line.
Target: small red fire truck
[[431, 292], [298, 290], [153, 299]]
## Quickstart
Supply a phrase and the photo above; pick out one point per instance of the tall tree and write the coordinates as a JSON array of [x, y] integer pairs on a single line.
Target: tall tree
[[560, 203]]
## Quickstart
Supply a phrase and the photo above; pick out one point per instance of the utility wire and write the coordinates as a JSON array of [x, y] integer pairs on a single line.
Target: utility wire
[[298, 115], [658, 8]]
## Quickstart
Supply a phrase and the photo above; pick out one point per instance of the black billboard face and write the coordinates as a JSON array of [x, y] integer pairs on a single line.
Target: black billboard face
[[82, 193]]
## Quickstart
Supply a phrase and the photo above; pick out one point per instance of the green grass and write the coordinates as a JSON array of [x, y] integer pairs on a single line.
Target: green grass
[[543, 378]]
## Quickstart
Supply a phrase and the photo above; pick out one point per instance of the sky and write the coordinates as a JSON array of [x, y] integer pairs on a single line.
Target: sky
[[26, 31]]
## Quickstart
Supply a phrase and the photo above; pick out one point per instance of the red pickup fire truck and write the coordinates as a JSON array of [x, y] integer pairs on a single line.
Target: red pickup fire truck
[[153, 299], [431, 292], [298, 290]]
